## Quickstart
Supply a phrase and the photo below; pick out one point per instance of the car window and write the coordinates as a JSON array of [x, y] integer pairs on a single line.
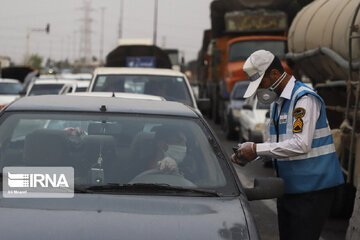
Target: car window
[[81, 89], [43, 89], [10, 88], [171, 88], [130, 146], [239, 90], [243, 49]]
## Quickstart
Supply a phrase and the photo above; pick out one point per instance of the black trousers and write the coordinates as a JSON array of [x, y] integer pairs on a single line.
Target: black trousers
[[302, 216]]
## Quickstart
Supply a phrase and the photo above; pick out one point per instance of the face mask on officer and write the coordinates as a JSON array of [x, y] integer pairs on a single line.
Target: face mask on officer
[[176, 152], [268, 95]]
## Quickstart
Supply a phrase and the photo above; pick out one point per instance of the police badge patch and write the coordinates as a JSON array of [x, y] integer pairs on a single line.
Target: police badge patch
[[298, 113], [298, 125]]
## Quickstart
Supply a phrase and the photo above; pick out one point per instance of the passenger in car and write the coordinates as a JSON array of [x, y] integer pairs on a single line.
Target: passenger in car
[[170, 150]]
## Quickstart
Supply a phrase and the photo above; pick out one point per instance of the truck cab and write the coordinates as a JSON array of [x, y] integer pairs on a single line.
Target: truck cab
[[245, 32], [240, 48]]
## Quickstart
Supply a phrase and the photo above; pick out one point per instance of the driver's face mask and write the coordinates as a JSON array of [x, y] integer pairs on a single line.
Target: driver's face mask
[[176, 152], [268, 95]]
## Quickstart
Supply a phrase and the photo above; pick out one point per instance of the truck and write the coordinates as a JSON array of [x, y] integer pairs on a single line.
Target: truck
[[138, 54], [238, 29], [324, 46]]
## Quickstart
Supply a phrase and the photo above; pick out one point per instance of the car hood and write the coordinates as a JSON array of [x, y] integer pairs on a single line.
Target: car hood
[[6, 99], [100, 216]]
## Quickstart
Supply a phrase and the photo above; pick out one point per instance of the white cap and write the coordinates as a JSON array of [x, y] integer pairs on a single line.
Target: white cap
[[255, 67]]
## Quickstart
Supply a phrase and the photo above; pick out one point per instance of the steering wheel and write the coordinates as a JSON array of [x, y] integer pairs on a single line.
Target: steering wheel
[[156, 176]]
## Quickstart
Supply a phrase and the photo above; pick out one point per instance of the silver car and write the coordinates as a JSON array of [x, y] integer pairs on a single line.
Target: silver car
[[143, 169]]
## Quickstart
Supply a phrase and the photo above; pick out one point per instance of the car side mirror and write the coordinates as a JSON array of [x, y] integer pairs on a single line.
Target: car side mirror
[[267, 114], [266, 188], [203, 104], [247, 107], [22, 93]]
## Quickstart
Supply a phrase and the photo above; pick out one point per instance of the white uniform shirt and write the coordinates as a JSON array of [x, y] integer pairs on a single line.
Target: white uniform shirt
[[301, 142]]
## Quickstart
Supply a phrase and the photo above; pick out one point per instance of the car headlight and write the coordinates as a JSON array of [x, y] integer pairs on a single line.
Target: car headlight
[[236, 113], [259, 127]]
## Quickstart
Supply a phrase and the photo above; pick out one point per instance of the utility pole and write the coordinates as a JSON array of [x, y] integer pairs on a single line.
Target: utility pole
[[121, 19], [74, 47], [27, 54], [85, 32], [28, 32], [102, 35], [155, 22]]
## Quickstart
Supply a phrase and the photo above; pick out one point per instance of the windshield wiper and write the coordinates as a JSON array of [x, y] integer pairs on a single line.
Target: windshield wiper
[[148, 187]]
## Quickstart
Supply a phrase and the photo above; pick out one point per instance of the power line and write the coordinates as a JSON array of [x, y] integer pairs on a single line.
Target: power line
[[155, 21], [102, 35], [85, 32], [121, 19]]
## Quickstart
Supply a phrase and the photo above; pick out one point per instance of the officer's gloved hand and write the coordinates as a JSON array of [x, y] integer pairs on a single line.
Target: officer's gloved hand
[[237, 157], [168, 165], [248, 151]]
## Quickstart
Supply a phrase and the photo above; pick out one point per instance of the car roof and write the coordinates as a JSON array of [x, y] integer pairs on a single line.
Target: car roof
[[76, 76], [8, 80], [119, 94], [54, 81], [138, 71], [69, 103], [81, 83]]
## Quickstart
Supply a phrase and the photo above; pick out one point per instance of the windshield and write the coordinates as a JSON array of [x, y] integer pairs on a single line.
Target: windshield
[[243, 49], [43, 89], [80, 89], [10, 88], [262, 105], [120, 149], [169, 87], [239, 90]]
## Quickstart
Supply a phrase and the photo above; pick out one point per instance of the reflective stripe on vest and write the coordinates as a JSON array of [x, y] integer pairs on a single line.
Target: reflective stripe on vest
[[317, 169]]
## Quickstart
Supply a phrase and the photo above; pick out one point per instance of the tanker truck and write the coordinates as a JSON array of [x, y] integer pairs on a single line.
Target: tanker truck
[[238, 28], [324, 45]]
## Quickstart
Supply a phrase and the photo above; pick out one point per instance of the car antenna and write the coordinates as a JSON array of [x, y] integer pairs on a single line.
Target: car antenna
[[103, 108]]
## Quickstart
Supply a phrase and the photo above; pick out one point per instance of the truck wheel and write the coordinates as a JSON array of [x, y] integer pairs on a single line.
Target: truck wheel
[[343, 204]]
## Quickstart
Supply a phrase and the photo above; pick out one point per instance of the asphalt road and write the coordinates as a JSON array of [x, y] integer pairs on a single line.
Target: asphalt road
[[264, 211]]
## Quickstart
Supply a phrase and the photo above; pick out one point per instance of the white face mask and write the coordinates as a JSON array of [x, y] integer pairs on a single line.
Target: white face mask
[[176, 152], [268, 95]]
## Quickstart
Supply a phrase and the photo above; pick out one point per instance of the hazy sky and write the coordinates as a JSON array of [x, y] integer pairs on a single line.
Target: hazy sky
[[180, 25]]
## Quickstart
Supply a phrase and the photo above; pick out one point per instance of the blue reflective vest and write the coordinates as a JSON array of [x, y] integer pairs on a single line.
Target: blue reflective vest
[[315, 170]]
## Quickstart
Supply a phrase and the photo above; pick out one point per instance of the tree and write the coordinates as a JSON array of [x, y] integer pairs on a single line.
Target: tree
[[35, 61]]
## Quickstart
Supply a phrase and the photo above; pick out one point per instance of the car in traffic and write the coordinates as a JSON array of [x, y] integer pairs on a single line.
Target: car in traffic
[[9, 90], [76, 86], [76, 76], [252, 120], [46, 87], [231, 123], [169, 84], [142, 170]]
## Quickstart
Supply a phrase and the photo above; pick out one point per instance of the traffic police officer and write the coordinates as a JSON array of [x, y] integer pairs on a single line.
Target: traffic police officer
[[300, 144]]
